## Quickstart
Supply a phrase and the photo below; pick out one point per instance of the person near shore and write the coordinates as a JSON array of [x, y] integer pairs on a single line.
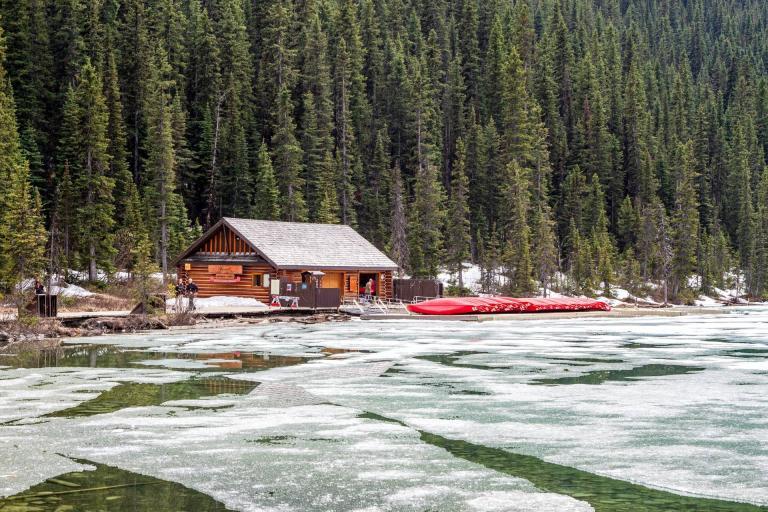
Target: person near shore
[[192, 290], [180, 290]]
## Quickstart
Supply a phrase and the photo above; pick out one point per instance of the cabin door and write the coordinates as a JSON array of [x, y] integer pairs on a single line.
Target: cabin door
[[364, 278]]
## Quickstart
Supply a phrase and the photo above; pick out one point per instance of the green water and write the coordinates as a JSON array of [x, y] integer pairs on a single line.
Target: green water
[[105, 356], [749, 353], [603, 493], [601, 376], [109, 489], [452, 360], [567, 360], [143, 395]]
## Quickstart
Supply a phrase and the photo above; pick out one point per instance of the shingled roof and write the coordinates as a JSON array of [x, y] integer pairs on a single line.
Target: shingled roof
[[306, 246]]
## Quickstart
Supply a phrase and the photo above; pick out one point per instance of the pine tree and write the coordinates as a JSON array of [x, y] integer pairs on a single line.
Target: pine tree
[[685, 219], [204, 99], [286, 159], [627, 224], [398, 239], [116, 134], [31, 72], [457, 234], [346, 144], [85, 151], [235, 113], [328, 203], [267, 196], [161, 156], [516, 258], [131, 230], [602, 245], [426, 223], [544, 246], [10, 147], [22, 233], [760, 273], [580, 261], [742, 214], [375, 212]]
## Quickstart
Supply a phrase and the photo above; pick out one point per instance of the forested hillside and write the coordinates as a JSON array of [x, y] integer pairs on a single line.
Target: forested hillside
[[613, 140]]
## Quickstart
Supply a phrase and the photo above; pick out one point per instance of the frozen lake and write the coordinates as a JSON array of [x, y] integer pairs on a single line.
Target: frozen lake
[[560, 415]]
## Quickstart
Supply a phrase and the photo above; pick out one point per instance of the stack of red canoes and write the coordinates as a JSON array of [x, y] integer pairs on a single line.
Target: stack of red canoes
[[470, 305]]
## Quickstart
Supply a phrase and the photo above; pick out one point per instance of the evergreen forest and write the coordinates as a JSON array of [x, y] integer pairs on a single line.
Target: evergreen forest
[[572, 144]]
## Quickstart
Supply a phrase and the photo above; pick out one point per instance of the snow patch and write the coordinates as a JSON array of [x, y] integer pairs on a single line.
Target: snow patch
[[220, 301]]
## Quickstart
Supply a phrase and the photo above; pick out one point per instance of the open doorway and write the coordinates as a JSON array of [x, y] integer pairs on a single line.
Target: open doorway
[[374, 279]]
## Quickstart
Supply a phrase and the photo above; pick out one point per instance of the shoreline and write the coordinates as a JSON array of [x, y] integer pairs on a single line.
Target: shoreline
[[96, 324]]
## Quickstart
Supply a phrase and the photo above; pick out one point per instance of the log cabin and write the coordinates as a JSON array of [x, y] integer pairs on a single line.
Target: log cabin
[[244, 257]]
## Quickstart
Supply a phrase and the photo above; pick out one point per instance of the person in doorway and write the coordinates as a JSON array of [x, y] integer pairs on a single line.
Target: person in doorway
[[39, 288], [369, 290], [192, 290]]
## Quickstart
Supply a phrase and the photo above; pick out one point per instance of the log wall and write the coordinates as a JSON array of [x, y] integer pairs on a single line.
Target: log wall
[[243, 288]]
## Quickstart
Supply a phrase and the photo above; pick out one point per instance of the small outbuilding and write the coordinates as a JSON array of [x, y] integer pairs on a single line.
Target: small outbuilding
[[260, 258]]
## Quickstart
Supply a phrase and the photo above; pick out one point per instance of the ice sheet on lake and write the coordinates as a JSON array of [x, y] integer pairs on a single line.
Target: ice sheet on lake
[[308, 457], [285, 447], [28, 393]]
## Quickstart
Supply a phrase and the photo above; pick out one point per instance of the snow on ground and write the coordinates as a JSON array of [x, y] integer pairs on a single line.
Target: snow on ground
[[619, 296], [220, 302], [71, 290]]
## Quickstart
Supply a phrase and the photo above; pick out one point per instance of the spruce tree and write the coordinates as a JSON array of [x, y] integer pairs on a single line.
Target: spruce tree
[[287, 160], [685, 219], [426, 223], [85, 149], [22, 233], [516, 257], [328, 211], [457, 234], [544, 246], [266, 203], [602, 245], [10, 146], [161, 157], [397, 246]]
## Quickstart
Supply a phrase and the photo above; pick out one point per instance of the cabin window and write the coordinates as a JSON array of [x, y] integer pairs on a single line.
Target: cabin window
[[261, 280]]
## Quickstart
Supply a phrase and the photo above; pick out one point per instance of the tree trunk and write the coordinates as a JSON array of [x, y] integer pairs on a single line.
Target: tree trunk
[[92, 264], [212, 179]]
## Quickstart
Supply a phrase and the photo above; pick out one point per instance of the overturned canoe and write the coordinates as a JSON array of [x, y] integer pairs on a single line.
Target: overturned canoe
[[473, 305]]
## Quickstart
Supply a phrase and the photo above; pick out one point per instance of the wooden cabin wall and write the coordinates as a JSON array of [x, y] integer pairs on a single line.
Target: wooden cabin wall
[[385, 284], [244, 288], [349, 281]]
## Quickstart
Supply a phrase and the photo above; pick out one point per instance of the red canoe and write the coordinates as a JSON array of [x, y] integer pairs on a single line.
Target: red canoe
[[470, 305]]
